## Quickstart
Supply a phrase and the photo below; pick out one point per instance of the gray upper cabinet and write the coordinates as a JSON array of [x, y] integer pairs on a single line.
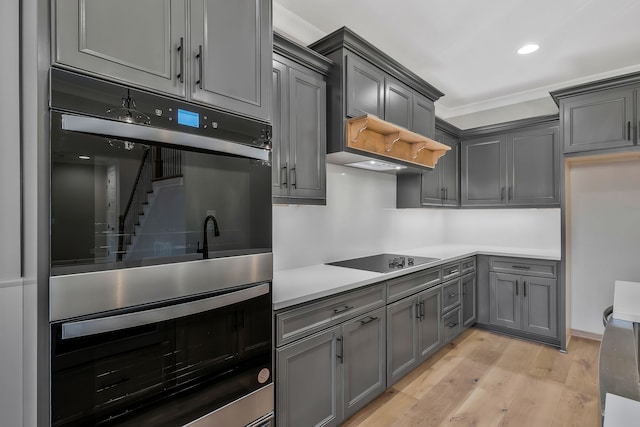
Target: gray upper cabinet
[[439, 187], [516, 167], [398, 107], [364, 358], [231, 51], [596, 121], [141, 42], [483, 174], [600, 115], [365, 88], [533, 167], [423, 119], [299, 124], [218, 54], [308, 389]]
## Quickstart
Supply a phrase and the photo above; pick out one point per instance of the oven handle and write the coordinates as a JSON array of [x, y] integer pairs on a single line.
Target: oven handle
[[146, 133], [89, 327]]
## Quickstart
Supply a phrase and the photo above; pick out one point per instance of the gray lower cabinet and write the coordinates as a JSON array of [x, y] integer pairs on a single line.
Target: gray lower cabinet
[[231, 51], [598, 121], [135, 42], [218, 54], [468, 299], [414, 331], [327, 377], [527, 301], [308, 391], [299, 132], [515, 168]]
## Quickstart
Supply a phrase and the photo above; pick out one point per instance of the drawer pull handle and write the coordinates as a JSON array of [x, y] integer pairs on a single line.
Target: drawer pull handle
[[521, 267], [517, 286], [452, 324], [342, 309], [453, 295], [340, 346], [422, 309], [524, 285], [369, 320]]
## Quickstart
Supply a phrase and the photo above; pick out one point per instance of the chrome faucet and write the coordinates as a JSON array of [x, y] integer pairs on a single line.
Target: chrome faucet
[[205, 245]]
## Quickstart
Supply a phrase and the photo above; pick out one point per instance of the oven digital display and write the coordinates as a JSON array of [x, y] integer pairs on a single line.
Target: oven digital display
[[188, 118]]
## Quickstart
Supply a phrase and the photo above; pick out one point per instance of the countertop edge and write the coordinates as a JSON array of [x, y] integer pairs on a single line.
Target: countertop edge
[[381, 277]]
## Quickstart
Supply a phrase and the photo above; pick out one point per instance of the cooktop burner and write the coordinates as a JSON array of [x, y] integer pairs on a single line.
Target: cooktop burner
[[383, 263]]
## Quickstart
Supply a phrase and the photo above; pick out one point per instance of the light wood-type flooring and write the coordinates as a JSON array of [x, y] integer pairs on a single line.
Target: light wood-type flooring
[[485, 379]]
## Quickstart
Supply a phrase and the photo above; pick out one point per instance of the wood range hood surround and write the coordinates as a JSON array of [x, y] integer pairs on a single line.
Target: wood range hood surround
[[372, 135]]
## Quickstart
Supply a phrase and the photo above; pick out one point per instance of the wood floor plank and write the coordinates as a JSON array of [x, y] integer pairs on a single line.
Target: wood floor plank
[[484, 379]]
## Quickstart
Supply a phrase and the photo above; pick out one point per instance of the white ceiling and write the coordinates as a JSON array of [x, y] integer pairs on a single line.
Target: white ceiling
[[467, 48]]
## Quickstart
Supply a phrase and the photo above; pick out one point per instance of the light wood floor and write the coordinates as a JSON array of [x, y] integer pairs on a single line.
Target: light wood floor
[[485, 379]]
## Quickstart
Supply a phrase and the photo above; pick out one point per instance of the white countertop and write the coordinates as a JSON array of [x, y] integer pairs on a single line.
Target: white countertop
[[304, 284]]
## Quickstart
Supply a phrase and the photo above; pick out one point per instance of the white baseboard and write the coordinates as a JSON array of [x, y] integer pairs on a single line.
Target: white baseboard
[[587, 335]]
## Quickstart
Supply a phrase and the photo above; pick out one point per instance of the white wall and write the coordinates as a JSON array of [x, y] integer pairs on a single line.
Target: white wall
[[360, 219], [603, 227], [11, 297]]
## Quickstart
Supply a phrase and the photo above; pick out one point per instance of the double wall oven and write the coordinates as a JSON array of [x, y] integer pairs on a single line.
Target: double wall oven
[[161, 261]]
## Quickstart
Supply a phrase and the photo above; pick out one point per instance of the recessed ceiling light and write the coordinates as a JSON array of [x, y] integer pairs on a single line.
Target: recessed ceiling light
[[528, 48], [84, 157]]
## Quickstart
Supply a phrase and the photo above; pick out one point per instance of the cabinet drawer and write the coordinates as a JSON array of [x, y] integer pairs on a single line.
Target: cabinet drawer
[[449, 271], [450, 295], [302, 321], [412, 283], [467, 265], [540, 268], [452, 325]]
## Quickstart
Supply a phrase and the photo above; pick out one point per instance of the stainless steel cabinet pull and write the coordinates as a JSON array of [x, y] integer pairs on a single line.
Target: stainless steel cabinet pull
[[418, 312], [294, 177], [452, 324], [442, 196], [510, 193], [629, 131], [517, 284], [369, 320], [342, 309], [524, 286], [200, 59], [284, 175], [502, 194], [181, 50], [453, 295], [340, 347], [422, 309], [446, 193], [521, 267]]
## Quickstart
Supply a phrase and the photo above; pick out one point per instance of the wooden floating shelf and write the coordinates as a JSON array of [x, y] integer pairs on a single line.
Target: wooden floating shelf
[[373, 135]]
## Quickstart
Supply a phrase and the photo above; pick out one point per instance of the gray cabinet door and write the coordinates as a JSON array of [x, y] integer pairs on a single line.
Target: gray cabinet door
[[364, 360], [469, 299], [402, 339], [450, 173], [483, 171], [430, 325], [308, 386], [424, 116], [307, 135], [398, 103], [540, 306], [533, 167], [504, 300], [133, 42], [280, 134], [432, 192], [231, 53], [597, 121], [365, 88]]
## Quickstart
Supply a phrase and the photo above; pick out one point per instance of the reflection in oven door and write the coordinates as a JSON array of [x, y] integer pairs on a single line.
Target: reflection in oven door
[[166, 373]]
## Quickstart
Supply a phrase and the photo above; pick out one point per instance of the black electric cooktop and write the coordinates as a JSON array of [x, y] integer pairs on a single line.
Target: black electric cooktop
[[383, 263]]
